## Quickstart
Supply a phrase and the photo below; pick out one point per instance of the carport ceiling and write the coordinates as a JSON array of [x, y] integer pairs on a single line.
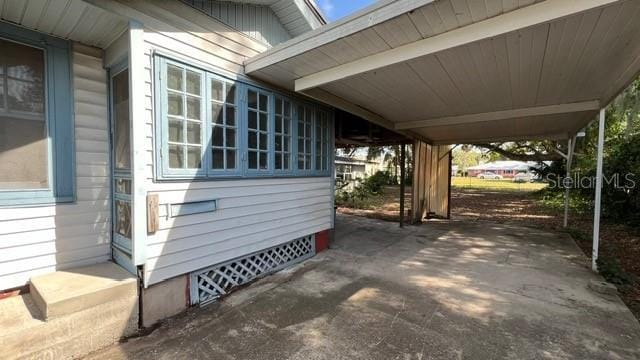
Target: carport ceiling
[[465, 70]]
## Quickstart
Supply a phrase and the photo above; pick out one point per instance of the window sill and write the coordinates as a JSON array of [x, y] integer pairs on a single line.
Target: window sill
[[239, 177], [35, 201]]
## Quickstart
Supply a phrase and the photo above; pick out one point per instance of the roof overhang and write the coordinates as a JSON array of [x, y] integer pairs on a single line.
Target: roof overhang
[[75, 20], [450, 73]]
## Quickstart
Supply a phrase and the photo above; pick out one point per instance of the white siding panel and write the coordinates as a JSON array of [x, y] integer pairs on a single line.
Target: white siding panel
[[41, 239], [256, 21], [252, 215]]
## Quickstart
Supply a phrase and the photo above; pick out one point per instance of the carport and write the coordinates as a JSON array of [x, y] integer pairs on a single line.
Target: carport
[[462, 71]]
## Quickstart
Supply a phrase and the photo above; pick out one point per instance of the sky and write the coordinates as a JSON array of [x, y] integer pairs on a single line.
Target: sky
[[337, 9]]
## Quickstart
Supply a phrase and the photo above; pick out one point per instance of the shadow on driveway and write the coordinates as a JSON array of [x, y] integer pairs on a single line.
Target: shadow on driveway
[[443, 290]]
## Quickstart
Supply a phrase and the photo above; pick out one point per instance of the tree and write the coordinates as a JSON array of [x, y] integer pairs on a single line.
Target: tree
[[465, 157]]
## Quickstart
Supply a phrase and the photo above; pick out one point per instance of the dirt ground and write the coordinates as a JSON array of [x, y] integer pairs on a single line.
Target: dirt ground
[[617, 242]]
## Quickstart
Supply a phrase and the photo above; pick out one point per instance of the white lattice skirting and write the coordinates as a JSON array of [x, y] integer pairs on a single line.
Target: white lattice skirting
[[211, 283]]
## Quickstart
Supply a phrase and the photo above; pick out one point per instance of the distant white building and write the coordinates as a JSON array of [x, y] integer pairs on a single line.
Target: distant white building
[[349, 171], [507, 168]]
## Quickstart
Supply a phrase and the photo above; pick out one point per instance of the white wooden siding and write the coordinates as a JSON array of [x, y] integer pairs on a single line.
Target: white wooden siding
[[252, 214], [41, 239], [256, 21]]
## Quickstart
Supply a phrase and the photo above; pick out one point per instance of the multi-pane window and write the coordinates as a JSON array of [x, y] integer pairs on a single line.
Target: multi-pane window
[[257, 130], [36, 118], [211, 126], [184, 117], [322, 140], [282, 134], [224, 125], [305, 137]]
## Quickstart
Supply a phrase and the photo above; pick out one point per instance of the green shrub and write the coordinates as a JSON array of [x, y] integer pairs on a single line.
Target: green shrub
[[612, 271], [371, 186]]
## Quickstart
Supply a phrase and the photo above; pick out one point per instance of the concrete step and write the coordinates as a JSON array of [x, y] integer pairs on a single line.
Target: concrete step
[[86, 319], [67, 292]]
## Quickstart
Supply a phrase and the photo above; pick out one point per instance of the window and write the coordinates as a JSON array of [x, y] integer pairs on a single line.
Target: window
[[185, 115], [36, 143], [122, 125], [258, 110], [322, 141], [121, 152], [283, 135], [305, 122], [210, 126], [224, 125]]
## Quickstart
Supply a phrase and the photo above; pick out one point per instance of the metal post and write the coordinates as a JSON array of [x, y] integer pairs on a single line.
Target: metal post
[[402, 176], [449, 184], [570, 151], [596, 214]]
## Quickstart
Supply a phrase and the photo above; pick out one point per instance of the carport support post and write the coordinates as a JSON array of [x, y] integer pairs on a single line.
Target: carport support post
[[570, 150], [402, 176], [596, 213]]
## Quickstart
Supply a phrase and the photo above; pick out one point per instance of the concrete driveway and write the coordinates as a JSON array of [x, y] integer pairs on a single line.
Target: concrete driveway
[[443, 290]]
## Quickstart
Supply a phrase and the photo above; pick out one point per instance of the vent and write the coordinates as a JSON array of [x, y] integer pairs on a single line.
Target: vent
[[209, 284]]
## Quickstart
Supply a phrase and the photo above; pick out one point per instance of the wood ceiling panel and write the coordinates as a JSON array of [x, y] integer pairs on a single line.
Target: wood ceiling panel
[[366, 96], [367, 42], [398, 31], [581, 54], [478, 10], [608, 52], [577, 31], [14, 10], [485, 57], [464, 79], [462, 11], [494, 7], [340, 51], [33, 12], [430, 70], [447, 14], [417, 98]]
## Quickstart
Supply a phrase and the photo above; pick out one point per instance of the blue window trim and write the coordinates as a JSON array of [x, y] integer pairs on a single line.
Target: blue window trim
[[59, 117], [162, 171]]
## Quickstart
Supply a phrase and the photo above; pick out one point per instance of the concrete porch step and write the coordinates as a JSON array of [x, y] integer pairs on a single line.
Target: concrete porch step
[[88, 310], [66, 292]]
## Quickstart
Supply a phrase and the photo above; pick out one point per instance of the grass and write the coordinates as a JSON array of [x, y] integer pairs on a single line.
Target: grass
[[473, 183]]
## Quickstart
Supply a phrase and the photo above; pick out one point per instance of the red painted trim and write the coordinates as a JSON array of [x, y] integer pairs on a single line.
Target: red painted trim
[[322, 241]]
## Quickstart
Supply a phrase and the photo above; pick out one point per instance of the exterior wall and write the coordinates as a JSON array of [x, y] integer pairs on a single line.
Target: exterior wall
[[430, 181], [252, 214], [256, 21], [42, 239], [439, 182]]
